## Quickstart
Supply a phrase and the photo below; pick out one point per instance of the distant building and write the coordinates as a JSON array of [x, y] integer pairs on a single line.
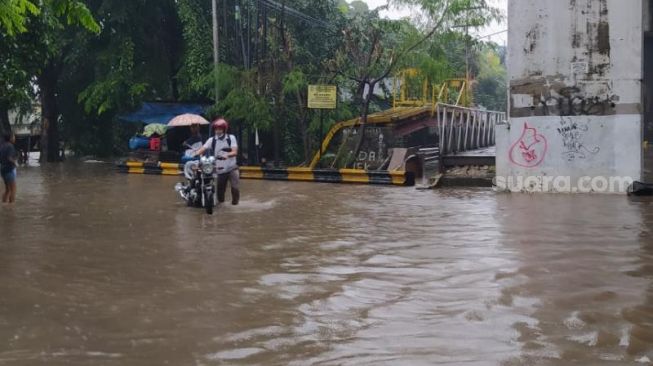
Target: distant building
[[26, 123]]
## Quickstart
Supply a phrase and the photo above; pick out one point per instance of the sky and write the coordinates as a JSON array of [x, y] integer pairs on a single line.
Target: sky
[[493, 28]]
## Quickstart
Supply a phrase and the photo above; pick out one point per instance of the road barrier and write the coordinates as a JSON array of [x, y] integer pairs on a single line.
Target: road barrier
[[330, 175], [356, 176], [132, 167]]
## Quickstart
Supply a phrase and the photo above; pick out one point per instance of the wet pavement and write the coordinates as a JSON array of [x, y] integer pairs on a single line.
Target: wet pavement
[[104, 269]]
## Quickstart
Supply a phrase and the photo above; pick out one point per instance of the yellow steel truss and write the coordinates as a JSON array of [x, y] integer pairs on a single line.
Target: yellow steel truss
[[405, 106]]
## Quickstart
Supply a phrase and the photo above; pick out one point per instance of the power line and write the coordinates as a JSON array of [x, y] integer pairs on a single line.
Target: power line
[[273, 5], [493, 34]]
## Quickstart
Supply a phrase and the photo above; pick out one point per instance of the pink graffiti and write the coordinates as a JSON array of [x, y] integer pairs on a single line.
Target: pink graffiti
[[529, 151]]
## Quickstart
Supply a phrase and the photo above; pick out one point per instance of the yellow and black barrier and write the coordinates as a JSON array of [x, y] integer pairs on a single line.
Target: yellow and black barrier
[[132, 167], [285, 174], [329, 175]]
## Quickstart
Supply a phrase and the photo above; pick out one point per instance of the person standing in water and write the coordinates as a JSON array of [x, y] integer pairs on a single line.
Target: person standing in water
[[225, 149], [8, 167]]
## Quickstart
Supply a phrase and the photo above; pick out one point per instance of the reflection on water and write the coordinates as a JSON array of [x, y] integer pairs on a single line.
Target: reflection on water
[[99, 268]]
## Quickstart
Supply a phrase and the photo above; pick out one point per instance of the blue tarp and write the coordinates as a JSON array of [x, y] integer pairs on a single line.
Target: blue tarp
[[161, 112]]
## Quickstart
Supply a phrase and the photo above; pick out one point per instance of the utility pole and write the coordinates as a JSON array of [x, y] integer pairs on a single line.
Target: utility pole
[[216, 50], [467, 25]]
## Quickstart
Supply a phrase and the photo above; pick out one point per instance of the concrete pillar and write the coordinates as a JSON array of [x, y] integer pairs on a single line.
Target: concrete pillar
[[646, 13], [575, 114]]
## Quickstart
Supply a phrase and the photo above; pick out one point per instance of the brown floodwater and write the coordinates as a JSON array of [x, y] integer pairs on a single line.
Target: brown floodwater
[[98, 268]]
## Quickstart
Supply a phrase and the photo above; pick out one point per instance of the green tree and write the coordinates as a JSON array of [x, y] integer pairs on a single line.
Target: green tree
[[490, 90], [35, 54], [196, 73], [50, 31], [161, 50], [139, 54], [14, 13], [269, 46], [37, 57], [374, 47], [136, 57], [15, 78], [358, 7]]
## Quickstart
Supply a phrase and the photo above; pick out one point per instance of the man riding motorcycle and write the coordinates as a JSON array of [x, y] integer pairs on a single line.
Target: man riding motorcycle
[[225, 149]]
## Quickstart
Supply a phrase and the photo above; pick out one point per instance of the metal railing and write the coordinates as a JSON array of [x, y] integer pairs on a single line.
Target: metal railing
[[463, 129], [430, 161]]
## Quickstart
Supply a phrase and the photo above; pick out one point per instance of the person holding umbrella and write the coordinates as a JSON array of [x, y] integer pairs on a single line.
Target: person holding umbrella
[[195, 141], [195, 137]]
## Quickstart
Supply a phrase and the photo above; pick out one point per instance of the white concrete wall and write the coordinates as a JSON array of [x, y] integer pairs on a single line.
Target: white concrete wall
[[575, 70]]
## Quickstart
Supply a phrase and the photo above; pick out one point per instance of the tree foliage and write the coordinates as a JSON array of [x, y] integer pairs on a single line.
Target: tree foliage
[[14, 13], [37, 47], [373, 47], [491, 87], [88, 61]]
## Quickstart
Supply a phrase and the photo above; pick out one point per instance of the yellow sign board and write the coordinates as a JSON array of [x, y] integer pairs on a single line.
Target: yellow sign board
[[322, 96]]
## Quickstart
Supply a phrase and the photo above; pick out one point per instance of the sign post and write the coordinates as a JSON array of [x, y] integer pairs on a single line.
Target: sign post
[[322, 97]]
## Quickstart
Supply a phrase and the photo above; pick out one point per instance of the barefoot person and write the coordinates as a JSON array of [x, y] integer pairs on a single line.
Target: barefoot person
[[8, 167]]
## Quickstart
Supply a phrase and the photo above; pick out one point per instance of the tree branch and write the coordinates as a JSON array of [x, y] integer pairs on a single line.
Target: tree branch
[[428, 35], [338, 72]]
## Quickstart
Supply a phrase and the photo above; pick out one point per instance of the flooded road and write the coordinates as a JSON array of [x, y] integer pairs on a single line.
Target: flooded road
[[104, 269]]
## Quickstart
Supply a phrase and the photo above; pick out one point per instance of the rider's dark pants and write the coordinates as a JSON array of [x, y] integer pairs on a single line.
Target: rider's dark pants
[[233, 178]]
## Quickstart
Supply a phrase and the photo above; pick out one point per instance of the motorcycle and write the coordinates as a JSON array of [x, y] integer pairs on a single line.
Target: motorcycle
[[199, 190]]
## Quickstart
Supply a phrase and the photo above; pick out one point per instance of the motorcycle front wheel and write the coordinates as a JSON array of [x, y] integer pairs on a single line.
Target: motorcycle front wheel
[[209, 203]]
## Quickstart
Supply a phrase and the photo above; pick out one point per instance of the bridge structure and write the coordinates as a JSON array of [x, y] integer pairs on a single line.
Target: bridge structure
[[453, 133]]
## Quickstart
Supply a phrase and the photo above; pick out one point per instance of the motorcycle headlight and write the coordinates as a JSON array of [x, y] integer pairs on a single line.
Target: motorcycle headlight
[[208, 168]]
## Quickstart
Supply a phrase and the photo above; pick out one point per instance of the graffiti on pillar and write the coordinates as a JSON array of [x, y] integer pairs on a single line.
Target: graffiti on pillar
[[530, 149], [532, 38], [374, 148], [573, 135], [571, 102]]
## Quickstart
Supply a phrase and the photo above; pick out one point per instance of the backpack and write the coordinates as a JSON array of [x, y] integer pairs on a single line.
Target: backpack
[[215, 141]]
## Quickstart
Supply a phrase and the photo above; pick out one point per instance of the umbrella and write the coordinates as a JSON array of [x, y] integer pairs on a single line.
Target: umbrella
[[187, 120]]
